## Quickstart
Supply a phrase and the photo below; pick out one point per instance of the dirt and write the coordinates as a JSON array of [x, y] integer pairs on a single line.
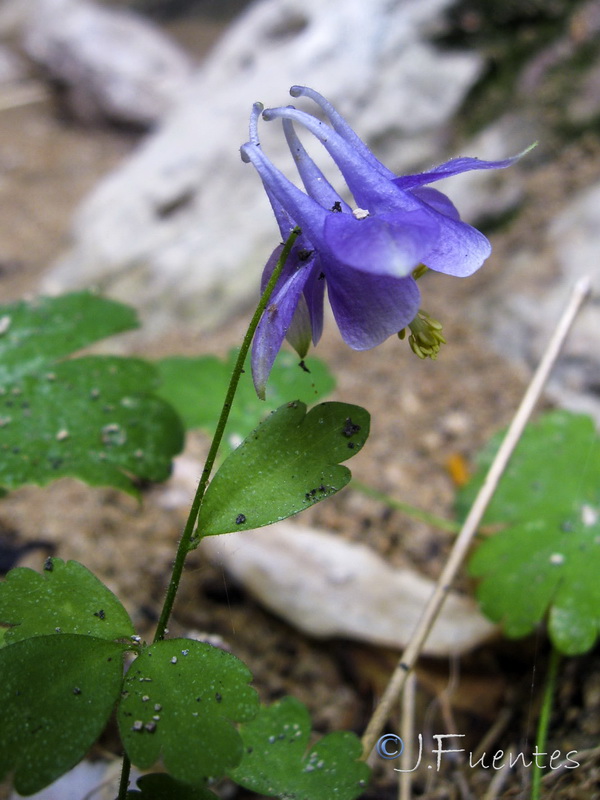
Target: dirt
[[429, 419]]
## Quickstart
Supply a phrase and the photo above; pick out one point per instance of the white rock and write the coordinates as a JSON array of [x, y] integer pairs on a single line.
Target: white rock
[[183, 229], [329, 587], [113, 63]]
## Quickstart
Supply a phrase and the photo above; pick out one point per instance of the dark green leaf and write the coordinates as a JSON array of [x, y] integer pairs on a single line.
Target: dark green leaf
[[181, 700], [56, 695], [547, 557], [93, 418], [290, 462], [278, 762], [160, 786], [196, 388], [64, 598], [38, 332]]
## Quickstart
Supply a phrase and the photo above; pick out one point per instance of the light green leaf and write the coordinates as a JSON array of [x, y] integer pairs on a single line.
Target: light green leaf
[[290, 462], [93, 418], [56, 695], [64, 598], [160, 786], [36, 333], [196, 388], [278, 762], [181, 700], [546, 560]]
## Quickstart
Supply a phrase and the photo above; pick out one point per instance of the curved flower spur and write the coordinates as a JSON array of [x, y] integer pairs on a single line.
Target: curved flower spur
[[370, 256]]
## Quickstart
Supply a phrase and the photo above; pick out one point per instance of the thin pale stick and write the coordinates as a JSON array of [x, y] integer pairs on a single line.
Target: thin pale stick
[[407, 727], [463, 541]]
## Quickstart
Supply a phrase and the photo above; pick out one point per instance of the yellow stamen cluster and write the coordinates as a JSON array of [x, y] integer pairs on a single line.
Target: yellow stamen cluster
[[425, 337]]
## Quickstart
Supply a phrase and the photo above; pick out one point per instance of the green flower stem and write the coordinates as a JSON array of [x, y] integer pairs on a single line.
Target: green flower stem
[[187, 541], [544, 720], [407, 508]]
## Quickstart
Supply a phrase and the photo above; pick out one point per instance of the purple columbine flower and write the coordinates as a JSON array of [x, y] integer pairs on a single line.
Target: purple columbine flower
[[365, 255]]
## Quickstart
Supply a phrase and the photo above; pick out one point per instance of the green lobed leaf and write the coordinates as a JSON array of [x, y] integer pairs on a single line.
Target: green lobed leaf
[[56, 695], [196, 388], [290, 462], [180, 701], [36, 333], [64, 598], [160, 786], [278, 762], [546, 560], [94, 418]]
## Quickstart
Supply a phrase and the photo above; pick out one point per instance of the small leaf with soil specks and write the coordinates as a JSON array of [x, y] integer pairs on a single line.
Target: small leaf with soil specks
[[546, 560], [278, 763], [64, 598], [290, 462], [180, 701], [56, 695]]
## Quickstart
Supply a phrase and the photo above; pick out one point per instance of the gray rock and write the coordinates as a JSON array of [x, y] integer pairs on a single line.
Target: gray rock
[[584, 107], [529, 298], [13, 16], [182, 229], [575, 238], [112, 63], [13, 68], [16, 86]]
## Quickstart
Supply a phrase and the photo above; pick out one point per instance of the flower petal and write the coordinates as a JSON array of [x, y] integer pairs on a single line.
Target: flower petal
[[305, 211], [340, 125], [274, 325], [391, 244], [369, 308], [314, 292], [370, 188], [453, 167], [299, 332], [459, 250], [315, 183], [437, 201]]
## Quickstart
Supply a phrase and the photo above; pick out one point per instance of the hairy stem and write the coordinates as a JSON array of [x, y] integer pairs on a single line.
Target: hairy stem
[[187, 537]]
